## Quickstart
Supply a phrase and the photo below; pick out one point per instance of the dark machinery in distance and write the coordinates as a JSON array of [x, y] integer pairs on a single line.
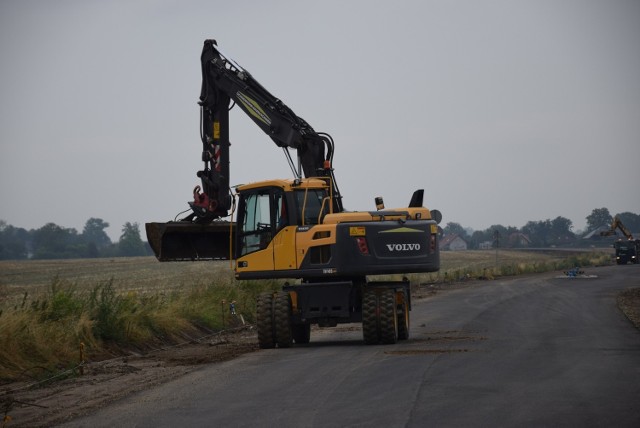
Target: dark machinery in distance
[[628, 249], [296, 228]]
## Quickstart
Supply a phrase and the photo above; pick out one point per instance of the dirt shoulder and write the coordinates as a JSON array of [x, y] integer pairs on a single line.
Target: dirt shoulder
[[45, 405], [629, 304]]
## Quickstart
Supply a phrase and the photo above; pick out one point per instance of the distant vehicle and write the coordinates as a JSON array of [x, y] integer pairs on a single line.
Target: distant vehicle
[[627, 250]]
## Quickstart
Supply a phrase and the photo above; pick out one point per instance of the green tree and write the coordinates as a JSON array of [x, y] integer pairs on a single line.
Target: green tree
[[549, 232], [539, 232], [496, 234], [478, 237], [599, 217], [499, 234], [93, 233], [55, 242], [13, 242], [453, 228], [561, 229], [130, 243]]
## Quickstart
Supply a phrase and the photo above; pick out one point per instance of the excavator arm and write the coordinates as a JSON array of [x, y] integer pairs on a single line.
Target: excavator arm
[[617, 224], [202, 235], [225, 82]]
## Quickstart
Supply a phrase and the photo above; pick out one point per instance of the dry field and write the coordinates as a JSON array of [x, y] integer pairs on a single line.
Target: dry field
[[147, 275], [139, 274]]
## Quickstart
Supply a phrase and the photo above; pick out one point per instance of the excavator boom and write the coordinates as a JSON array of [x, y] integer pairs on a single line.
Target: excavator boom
[[225, 84], [617, 224]]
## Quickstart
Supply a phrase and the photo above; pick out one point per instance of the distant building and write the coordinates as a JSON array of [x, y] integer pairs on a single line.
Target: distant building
[[453, 243], [486, 245]]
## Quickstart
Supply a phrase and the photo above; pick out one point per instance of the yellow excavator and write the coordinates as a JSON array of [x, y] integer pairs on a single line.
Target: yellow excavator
[[296, 228], [628, 249]]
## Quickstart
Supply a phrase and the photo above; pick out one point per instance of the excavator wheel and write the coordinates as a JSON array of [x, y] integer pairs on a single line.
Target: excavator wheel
[[282, 319], [403, 319], [264, 321], [388, 317], [380, 317], [369, 317]]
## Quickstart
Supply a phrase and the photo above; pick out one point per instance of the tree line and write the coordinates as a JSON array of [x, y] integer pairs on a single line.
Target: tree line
[[56, 242], [546, 233]]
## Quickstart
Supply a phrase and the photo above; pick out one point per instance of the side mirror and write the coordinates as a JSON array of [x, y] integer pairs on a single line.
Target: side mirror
[[436, 215]]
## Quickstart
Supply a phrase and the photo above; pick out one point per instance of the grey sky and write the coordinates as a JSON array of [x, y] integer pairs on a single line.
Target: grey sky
[[503, 111]]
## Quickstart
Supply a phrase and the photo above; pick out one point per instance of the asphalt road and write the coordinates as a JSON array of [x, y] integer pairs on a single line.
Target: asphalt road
[[532, 351]]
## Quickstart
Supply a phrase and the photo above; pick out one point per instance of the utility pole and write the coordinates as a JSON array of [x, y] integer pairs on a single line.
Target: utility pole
[[222, 306], [496, 239]]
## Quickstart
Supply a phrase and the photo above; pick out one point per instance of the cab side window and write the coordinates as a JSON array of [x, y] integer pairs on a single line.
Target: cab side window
[[310, 207], [256, 223], [262, 215]]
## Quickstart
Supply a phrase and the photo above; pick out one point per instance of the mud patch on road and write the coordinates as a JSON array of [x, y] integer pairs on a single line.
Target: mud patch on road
[[440, 342], [426, 351], [338, 328], [452, 336]]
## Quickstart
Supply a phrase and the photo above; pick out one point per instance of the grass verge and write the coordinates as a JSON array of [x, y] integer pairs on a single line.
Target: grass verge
[[92, 309], [44, 334]]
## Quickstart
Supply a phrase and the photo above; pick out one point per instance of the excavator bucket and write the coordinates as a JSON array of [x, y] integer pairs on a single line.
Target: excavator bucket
[[186, 241]]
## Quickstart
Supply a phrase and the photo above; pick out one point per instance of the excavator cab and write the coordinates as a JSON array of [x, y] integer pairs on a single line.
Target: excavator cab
[[272, 211], [262, 213], [264, 210]]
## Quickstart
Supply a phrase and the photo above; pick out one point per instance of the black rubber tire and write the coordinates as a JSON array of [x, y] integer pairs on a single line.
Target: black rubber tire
[[264, 321], [388, 317], [301, 333], [282, 319], [370, 330], [403, 320]]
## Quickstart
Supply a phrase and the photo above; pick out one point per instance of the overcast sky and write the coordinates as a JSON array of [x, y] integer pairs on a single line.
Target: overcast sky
[[503, 111]]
